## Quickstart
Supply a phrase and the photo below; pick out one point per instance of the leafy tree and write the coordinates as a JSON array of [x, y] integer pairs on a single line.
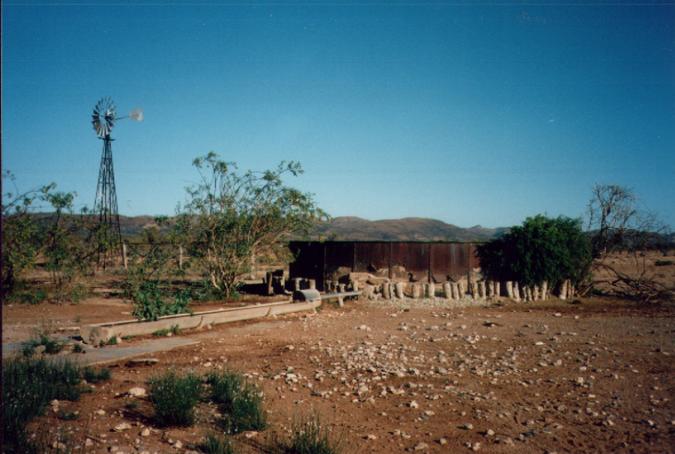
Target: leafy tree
[[231, 217], [20, 233], [151, 274], [68, 254], [542, 249]]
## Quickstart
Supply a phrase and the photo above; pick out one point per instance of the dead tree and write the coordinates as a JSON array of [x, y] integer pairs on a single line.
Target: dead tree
[[618, 226]]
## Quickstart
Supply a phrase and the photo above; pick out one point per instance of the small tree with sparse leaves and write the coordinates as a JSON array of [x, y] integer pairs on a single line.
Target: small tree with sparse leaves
[[231, 217]]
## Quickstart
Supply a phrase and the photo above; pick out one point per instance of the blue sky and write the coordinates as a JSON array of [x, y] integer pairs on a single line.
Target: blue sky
[[466, 112]]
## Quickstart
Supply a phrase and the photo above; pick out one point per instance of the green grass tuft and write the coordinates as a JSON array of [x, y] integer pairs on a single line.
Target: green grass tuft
[[311, 437], [92, 375], [28, 385], [174, 398], [214, 444], [52, 346], [239, 402]]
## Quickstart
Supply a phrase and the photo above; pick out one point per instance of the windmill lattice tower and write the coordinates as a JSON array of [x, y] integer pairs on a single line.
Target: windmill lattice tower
[[108, 232]]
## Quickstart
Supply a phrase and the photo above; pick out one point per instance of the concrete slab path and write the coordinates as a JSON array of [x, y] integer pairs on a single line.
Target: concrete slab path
[[114, 353]]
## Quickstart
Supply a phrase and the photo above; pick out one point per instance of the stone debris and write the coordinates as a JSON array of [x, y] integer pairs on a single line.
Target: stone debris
[[137, 391], [121, 427]]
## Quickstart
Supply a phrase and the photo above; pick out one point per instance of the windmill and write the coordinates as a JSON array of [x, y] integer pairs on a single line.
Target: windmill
[[108, 234]]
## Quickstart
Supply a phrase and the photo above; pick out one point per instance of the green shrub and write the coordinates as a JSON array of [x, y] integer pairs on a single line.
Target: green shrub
[[174, 330], [213, 444], [542, 249], [52, 346], [92, 375], [111, 341], [663, 262], [311, 437], [29, 297], [247, 412], [28, 385], [174, 397], [150, 302], [224, 387], [239, 402]]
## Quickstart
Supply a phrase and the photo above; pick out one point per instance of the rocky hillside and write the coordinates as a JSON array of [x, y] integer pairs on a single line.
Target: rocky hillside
[[409, 229]]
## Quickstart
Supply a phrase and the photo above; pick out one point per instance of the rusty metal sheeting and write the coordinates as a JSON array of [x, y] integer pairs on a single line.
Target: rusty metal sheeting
[[398, 260], [372, 257]]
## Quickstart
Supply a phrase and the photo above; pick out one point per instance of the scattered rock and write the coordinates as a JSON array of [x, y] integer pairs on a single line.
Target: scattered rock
[[121, 427], [137, 392]]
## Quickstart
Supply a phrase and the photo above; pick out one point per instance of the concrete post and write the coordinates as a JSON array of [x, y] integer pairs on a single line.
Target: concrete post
[[498, 289], [481, 289], [509, 289], [474, 290], [447, 290], [461, 290], [491, 289], [312, 284], [355, 285], [535, 293], [269, 282], [544, 290], [124, 255], [180, 257], [386, 290], [296, 283], [516, 291], [399, 286], [563, 290], [430, 290], [342, 288], [416, 291]]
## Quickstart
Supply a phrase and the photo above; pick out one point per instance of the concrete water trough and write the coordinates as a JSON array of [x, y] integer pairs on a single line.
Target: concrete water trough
[[102, 332]]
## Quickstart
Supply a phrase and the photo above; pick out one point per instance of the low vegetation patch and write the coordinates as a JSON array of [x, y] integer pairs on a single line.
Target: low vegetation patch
[[150, 302], [36, 296], [174, 398], [239, 402], [28, 385], [92, 375], [51, 346], [214, 444], [174, 331], [310, 436]]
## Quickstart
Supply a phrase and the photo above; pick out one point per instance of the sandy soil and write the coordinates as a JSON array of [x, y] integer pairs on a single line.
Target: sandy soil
[[596, 376]]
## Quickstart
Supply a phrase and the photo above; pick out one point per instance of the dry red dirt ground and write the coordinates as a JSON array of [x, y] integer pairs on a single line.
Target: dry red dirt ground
[[596, 376]]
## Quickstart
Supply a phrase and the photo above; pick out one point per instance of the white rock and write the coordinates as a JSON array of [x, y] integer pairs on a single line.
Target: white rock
[[137, 392], [122, 427]]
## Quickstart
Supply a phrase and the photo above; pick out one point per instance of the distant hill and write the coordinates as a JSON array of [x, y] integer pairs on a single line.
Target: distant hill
[[353, 228], [406, 229]]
